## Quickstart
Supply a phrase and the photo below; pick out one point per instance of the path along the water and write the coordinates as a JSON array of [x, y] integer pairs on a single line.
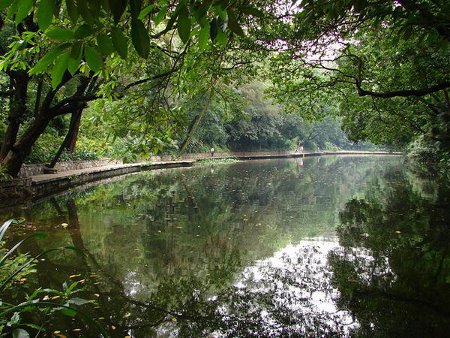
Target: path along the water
[[46, 184], [189, 160]]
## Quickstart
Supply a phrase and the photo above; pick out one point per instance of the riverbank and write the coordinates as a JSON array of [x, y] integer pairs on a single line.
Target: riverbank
[[17, 191]]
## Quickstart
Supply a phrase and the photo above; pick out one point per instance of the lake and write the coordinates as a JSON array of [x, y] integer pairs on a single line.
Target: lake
[[324, 246]]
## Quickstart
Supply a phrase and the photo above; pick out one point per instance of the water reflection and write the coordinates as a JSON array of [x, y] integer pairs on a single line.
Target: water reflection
[[287, 294], [250, 249], [393, 269]]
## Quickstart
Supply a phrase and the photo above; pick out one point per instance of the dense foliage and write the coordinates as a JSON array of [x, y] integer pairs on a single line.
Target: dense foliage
[[383, 66], [29, 310], [379, 68], [53, 64]]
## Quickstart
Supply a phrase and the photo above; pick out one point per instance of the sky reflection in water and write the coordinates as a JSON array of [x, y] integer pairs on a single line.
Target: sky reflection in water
[[251, 249]]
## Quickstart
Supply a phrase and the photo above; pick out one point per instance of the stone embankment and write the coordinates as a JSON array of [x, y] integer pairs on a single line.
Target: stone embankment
[[34, 184]]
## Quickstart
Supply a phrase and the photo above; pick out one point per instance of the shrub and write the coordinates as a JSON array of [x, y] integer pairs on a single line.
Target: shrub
[[4, 174], [43, 303], [422, 151]]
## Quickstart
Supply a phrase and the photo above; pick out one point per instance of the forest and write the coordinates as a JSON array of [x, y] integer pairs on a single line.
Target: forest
[[317, 246], [125, 79]]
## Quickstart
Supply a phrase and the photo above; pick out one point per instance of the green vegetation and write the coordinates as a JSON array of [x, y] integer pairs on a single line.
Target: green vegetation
[[142, 76], [84, 79], [26, 309], [400, 228], [162, 245], [382, 66]]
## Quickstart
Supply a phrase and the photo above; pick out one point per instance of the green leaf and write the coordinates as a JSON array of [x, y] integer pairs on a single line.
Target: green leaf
[[72, 11], [203, 37], [78, 301], [184, 24], [105, 44], [20, 333], [83, 31], [221, 38], [93, 58], [145, 12], [76, 50], [12, 9], [160, 16], [59, 69], [48, 58], [15, 319], [117, 9], [45, 13], [60, 34], [5, 3], [120, 42], [72, 286], [23, 9], [233, 25], [200, 13], [73, 65], [5, 227], [18, 244], [69, 312], [86, 12], [220, 11], [140, 38]]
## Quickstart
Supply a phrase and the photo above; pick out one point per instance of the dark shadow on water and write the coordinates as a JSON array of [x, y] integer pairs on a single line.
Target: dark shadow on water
[[393, 269], [251, 250]]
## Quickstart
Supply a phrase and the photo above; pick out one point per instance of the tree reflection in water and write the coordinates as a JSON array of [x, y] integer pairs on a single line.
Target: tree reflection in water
[[287, 294], [393, 269], [166, 257]]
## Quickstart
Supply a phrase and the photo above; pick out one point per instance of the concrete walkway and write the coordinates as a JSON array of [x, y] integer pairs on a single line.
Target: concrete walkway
[[22, 190], [46, 184], [45, 178]]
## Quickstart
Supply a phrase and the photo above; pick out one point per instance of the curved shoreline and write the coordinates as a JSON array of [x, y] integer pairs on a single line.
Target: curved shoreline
[[36, 187]]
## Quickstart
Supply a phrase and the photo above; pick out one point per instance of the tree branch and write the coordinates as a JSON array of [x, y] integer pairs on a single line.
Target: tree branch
[[155, 77], [65, 106], [403, 93]]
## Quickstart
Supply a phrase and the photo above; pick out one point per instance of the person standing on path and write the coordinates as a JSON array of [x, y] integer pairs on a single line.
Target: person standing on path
[[212, 152]]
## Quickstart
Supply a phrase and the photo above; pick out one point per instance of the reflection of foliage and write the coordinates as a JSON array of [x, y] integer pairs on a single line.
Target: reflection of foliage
[[168, 246], [399, 271], [289, 294], [26, 309]]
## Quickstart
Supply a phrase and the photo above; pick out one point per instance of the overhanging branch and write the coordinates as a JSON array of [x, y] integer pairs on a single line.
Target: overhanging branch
[[148, 79], [403, 93]]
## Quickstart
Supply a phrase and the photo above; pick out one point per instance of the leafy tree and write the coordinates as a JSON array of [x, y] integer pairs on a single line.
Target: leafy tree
[[381, 65], [83, 46]]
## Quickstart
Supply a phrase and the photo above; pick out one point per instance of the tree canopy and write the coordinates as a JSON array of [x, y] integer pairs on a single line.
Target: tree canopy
[[163, 67]]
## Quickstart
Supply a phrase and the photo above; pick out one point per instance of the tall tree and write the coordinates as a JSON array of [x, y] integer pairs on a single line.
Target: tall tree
[[384, 65], [78, 44]]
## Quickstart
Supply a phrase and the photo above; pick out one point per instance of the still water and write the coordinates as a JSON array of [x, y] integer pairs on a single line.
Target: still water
[[333, 246]]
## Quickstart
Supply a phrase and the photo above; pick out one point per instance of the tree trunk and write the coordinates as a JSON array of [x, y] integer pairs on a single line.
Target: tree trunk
[[22, 148], [11, 134], [194, 124], [71, 137], [74, 129], [18, 108], [18, 153]]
